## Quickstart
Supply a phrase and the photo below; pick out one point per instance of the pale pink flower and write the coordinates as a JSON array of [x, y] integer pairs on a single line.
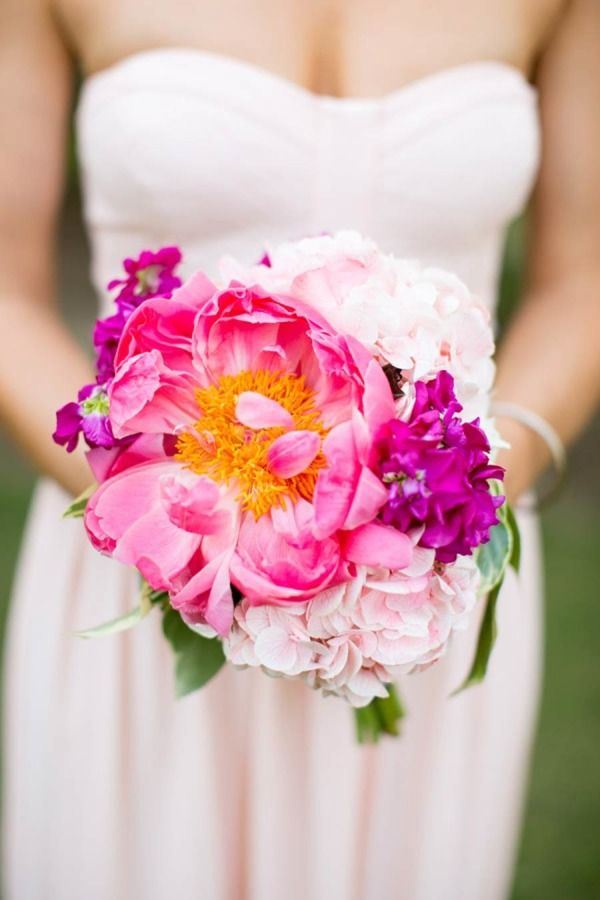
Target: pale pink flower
[[354, 638]]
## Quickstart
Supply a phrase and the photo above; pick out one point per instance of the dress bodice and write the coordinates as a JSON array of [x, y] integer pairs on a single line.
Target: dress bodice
[[218, 155]]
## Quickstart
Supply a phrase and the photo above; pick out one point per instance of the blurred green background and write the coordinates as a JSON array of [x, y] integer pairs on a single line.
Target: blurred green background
[[559, 857]]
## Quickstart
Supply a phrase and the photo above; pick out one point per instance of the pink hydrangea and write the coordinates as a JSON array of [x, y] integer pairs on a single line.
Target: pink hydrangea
[[417, 318], [354, 638]]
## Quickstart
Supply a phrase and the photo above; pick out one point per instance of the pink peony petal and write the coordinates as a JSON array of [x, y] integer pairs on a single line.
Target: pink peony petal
[[219, 604], [191, 503], [336, 484], [293, 452], [207, 595], [105, 463], [164, 324], [269, 566], [378, 401], [376, 544], [369, 497], [257, 411], [148, 396], [126, 518]]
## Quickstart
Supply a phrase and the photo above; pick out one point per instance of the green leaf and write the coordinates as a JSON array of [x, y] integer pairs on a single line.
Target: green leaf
[[121, 623], [492, 558], [485, 642], [77, 507], [367, 724], [124, 622], [197, 658], [390, 711], [381, 716], [511, 523]]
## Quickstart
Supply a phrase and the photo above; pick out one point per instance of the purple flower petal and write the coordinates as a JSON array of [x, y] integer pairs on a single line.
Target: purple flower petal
[[437, 470], [97, 430], [150, 275], [68, 426]]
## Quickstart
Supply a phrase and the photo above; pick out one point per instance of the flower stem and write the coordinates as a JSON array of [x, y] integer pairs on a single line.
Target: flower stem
[[381, 716]]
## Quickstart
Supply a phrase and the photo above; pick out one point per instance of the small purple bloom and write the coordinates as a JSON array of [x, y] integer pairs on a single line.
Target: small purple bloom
[[68, 426], [95, 424], [152, 274], [106, 336], [89, 416], [437, 470]]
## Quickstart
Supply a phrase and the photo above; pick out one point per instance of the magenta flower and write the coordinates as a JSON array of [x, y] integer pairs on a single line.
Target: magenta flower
[[437, 471], [89, 416], [152, 274], [68, 426], [107, 333], [265, 260]]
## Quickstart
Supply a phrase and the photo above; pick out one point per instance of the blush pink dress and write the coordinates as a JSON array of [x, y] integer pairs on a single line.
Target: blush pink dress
[[254, 788]]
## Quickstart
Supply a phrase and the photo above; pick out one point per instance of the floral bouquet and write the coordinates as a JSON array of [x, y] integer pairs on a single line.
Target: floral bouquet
[[296, 460]]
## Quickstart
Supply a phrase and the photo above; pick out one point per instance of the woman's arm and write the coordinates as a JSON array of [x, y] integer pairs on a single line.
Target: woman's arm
[[41, 366], [550, 358]]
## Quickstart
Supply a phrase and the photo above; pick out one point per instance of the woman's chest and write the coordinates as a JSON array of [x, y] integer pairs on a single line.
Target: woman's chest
[[345, 48]]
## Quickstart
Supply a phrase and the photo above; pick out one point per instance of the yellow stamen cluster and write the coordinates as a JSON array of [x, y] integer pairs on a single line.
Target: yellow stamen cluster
[[229, 452]]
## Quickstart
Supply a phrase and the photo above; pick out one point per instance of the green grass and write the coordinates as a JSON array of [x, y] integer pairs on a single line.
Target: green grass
[[559, 854], [14, 497]]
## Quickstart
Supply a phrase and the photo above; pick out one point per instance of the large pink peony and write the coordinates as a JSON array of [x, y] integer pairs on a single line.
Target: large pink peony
[[257, 422]]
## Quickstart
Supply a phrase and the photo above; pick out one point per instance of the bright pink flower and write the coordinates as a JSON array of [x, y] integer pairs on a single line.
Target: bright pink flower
[[127, 517], [348, 493], [141, 448], [147, 396], [262, 399], [166, 324], [169, 525], [278, 559]]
